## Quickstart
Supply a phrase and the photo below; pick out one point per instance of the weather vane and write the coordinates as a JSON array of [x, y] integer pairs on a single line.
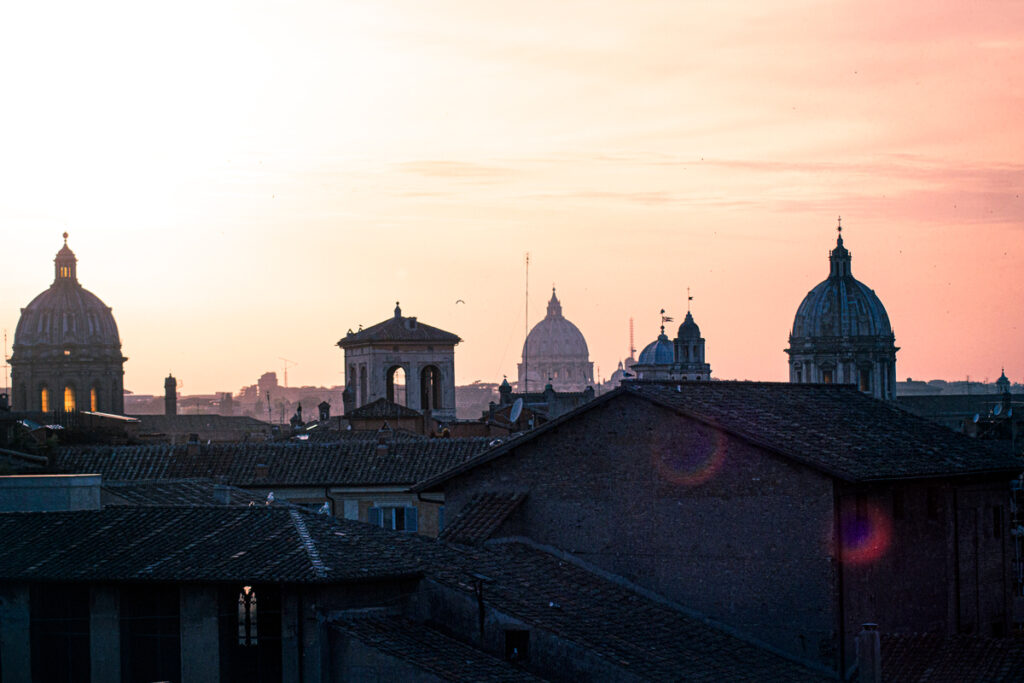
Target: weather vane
[[839, 226]]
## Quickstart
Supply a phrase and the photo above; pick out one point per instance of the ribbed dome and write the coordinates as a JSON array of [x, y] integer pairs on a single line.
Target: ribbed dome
[[689, 329], [66, 315], [841, 306], [555, 338], [658, 352]]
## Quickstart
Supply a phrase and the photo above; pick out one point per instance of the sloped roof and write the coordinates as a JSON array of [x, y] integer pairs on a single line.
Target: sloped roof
[[169, 492], [652, 640], [427, 649], [833, 428], [481, 517], [260, 543], [199, 423], [346, 463], [916, 658], [398, 330], [382, 409]]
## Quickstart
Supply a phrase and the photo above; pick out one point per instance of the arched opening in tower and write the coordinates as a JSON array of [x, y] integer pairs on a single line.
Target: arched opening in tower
[[430, 388], [396, 385]]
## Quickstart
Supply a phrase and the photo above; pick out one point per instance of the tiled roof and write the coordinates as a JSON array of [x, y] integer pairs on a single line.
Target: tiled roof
[[650, 640], [346, 463], [383, 409], [199, 423], [398, 329], [481, 517], [959, 405], [959, 659], [260, 543], [164, 492], [833, 428], [429, 650]]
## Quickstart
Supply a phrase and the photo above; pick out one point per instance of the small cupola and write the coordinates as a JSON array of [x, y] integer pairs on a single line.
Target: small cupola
[[839, 258], [554, 306], [64, 264]]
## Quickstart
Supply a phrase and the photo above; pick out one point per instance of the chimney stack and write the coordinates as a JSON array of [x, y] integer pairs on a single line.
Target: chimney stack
[[869, 655], [221, 494], [193, 444]]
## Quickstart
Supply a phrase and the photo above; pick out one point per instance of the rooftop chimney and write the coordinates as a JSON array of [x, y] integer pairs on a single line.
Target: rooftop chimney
[[193, 444], [869, 655], [221, 494]]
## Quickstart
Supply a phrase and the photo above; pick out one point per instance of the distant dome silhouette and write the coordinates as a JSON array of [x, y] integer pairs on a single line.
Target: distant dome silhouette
[[556, 352], [67, 344]]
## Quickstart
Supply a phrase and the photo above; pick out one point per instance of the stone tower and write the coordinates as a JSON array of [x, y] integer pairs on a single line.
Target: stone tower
[[399, 346]]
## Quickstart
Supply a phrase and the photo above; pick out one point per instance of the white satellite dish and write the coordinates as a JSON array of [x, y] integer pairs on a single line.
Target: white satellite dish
[[975, 418], [998, 409], [517, 410]]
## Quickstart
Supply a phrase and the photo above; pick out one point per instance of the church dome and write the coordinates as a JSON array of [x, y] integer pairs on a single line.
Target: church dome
[[658, 352], [689, 329], [841, 306], [66, 315], [554, 337]]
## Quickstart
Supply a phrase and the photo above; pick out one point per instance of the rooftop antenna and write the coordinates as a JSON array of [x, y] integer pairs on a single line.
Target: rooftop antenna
[[6, 366], [286, 366], [526, 331]]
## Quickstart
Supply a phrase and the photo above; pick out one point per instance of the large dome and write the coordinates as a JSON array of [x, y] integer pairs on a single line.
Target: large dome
[[67, 353], [66, 315], [841, 306], [555, 338]]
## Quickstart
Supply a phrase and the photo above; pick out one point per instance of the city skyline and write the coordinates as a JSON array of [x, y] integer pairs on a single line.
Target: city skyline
[[242, 184]]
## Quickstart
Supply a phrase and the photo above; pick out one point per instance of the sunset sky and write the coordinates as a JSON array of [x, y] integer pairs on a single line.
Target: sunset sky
[[246, 181]]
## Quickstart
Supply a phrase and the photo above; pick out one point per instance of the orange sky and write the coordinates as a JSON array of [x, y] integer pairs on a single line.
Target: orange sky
[[246, 181]]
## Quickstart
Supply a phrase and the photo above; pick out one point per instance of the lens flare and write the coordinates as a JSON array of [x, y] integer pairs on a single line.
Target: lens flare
[[865, 537], [692, 460]]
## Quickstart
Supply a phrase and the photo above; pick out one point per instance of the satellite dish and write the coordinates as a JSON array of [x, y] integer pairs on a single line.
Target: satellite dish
[[998, 409], [517, 410], [975, 418]]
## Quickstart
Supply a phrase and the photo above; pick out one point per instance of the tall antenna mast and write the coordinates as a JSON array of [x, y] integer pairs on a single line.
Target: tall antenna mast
[[6, 366], [526, 331], [632, 346]]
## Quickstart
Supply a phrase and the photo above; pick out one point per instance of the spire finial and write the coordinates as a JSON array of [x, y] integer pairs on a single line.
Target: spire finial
[[663, 321], [689, 298], [65, 239], [839, 225], [398, 310]]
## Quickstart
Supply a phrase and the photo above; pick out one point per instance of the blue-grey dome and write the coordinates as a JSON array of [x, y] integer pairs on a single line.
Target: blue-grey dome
[[841, 306], [658, 352]]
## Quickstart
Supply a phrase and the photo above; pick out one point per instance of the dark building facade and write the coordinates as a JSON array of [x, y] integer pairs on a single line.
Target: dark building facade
[[791, 513], [67, 352]]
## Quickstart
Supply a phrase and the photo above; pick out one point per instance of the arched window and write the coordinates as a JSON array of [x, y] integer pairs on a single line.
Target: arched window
[[247, 631], [94, 399], [396, 385], [44, 399], [69, 399], [430, 388], [362, 398]]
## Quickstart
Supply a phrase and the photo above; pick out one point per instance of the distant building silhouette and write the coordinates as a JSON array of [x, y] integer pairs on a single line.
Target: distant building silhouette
[[425, 355], [555, 353], [67, 352], [841, 334], [679, 359]]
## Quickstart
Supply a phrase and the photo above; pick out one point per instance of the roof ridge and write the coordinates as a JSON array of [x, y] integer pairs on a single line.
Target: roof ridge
[[319, 568]]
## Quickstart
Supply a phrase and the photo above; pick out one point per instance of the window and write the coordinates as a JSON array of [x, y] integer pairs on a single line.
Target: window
[[865, 380], [397, 518], [69, 399], [826, 376], [44, 400], [94, 400], [247, 624]]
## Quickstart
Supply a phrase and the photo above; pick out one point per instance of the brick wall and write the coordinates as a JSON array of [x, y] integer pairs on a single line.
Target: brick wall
[[722, 526]]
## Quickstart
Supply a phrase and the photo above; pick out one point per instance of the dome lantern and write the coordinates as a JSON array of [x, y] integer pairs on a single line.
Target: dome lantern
[[64, 264]]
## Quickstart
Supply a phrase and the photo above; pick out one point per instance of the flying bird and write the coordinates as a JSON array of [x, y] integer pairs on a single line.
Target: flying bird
[[459, 301]]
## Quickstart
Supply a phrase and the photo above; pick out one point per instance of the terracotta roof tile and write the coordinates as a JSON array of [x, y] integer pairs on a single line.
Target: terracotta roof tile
[[481, 517]]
